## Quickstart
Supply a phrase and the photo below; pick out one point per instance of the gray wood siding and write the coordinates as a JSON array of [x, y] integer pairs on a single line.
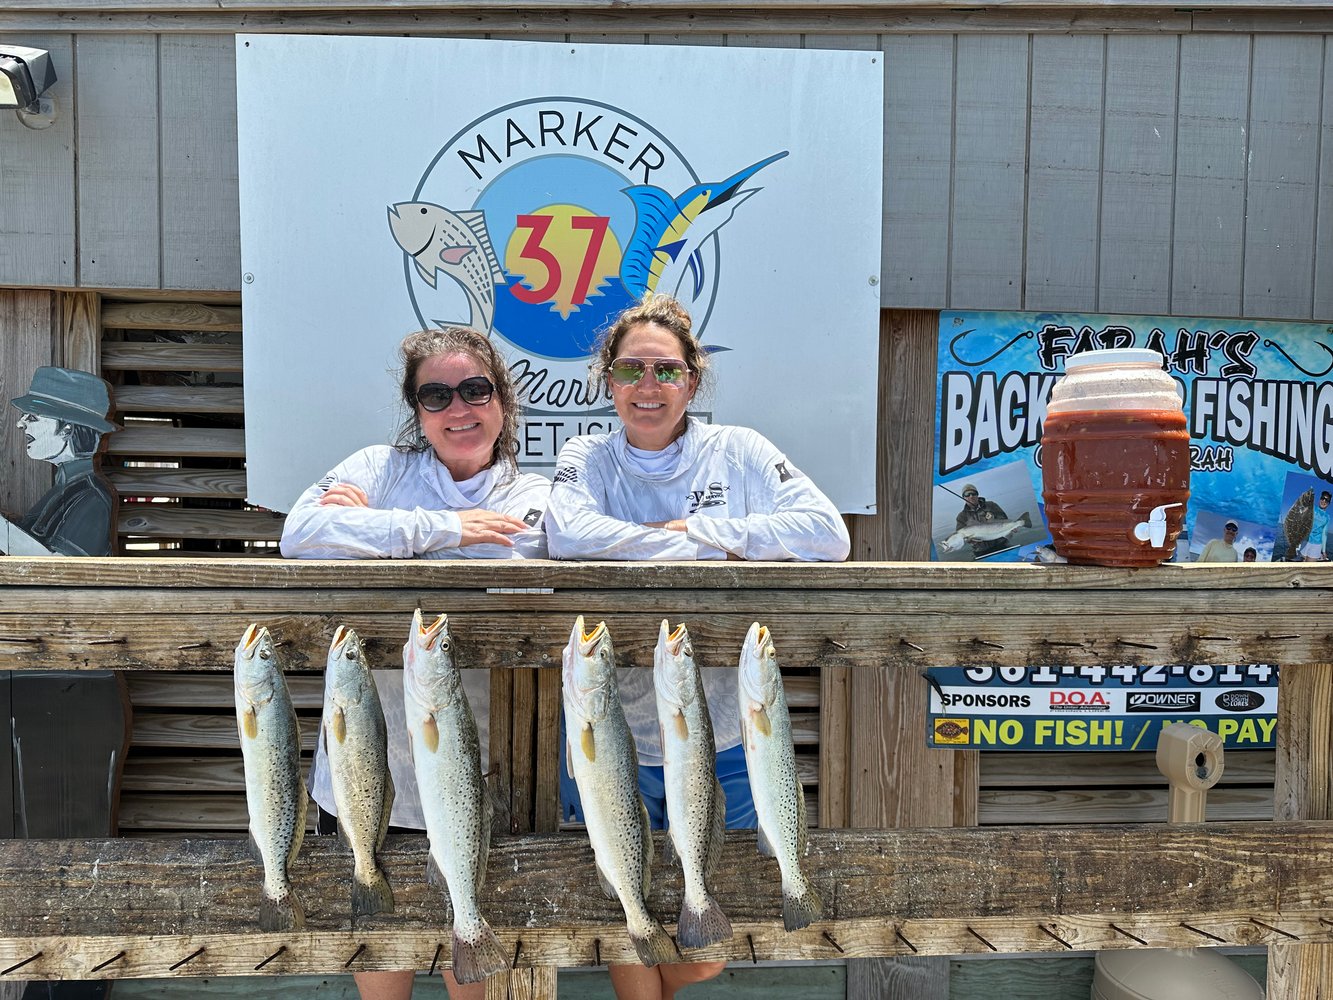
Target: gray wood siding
[[119, 179], [1154, 172], [37, 182]]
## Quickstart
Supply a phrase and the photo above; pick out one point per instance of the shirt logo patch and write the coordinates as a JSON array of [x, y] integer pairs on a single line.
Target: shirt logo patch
[[532, 517], [711, 497], [566, 474], [327, 483], [783, 472]]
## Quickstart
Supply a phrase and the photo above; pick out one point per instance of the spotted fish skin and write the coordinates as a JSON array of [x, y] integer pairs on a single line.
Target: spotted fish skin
[[770, 757], [696, 806], [446, 755], [274, 792], [356, 742], [605, 766]]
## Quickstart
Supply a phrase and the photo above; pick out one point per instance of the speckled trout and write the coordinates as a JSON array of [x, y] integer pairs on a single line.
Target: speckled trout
[[696, 807], [356, 741], [779, 799], [604, 764], [447, 757], [274, 791]]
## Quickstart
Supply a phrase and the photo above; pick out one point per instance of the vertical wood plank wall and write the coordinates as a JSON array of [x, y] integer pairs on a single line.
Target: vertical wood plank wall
[[1185, 174]]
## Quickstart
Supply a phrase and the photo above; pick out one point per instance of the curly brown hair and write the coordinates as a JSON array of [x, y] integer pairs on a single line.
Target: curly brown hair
[[417, 347], [658, 310]]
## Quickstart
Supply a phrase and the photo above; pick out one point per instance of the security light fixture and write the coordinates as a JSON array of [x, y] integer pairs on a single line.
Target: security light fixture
[[25, 74]]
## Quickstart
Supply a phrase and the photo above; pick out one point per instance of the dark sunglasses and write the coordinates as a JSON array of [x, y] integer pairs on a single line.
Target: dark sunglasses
[[667, 371], [436, 396]]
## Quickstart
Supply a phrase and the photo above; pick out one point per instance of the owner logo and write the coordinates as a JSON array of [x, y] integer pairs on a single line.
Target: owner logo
[[1162, 701], [549, 216]]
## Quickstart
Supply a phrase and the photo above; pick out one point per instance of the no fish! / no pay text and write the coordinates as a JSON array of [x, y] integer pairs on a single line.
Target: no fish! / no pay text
[[1249, 732]]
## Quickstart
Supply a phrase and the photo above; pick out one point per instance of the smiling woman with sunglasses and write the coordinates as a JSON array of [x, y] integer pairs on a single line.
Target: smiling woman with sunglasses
[[669, 486], [449, 489]]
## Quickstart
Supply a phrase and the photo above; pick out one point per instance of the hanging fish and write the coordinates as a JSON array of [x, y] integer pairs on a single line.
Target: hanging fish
[[274, 792], [446, 755], [696, 807], [605, 765], [770, 757], [356, 742]]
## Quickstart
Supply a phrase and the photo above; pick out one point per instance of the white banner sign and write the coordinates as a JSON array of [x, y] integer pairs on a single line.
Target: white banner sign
[[533, 190]]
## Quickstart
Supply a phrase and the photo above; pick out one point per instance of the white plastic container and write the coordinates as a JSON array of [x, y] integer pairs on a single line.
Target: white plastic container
[[1153, 974], [1115, 460]]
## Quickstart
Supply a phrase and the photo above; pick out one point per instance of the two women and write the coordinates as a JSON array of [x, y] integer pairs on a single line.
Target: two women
[[666, 486]]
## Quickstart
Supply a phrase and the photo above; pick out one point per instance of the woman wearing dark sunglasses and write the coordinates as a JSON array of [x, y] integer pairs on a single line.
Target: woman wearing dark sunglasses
[[668, 486], [448, 489]]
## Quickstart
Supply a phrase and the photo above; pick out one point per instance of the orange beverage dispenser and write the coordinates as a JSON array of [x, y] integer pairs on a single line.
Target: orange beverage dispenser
[[1115, 460]]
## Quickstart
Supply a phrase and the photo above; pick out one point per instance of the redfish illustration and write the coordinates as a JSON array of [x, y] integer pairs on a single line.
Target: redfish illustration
[[456, 243]]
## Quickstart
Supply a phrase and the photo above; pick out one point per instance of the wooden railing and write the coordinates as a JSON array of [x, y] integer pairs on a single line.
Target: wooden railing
[[145, 908]]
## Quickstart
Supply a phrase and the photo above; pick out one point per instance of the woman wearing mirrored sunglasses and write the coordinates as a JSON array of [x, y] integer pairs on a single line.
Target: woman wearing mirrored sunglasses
[[448, 489], [669, 486]]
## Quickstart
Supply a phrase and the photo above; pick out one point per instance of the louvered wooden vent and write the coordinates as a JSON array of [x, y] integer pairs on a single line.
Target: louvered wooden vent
[[179, 463]]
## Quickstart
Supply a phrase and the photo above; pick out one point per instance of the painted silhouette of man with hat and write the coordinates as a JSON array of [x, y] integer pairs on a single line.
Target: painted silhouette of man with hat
[[63, 419]]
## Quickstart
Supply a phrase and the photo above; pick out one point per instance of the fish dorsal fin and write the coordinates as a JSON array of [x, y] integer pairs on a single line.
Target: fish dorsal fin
[[476, 223]]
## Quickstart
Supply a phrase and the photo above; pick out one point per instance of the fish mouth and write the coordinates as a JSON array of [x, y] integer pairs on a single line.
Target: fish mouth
[[428, 634], [758, 637], [393, 211], [675, 641], [589, 640], [342, 636], [250, 641]]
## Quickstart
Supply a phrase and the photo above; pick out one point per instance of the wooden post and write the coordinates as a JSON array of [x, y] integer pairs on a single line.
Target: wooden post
[[878, 716], [1303, 789]]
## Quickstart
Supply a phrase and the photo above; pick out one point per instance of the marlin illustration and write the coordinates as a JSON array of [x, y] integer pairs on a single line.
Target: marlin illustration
[[456, 243], [670, 232]]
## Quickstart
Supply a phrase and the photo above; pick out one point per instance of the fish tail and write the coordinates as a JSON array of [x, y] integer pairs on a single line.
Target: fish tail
[[656, 948], [801, 909], [700, 928], [371, 894], [281, 913], [474, 961]]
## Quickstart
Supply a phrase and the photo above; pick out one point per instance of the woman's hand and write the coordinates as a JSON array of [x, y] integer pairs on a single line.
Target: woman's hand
[[344, 495], [487, 526]]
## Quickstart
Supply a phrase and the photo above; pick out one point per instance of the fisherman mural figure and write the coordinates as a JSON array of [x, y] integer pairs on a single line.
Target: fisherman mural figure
[[74, 726], [63, 419]]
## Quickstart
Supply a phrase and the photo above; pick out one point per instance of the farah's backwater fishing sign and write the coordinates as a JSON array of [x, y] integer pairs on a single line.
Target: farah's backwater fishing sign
[[533, 191], [1257, 395]]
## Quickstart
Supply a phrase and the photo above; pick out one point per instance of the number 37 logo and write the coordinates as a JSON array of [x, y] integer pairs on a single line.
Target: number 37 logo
[[560, 254]]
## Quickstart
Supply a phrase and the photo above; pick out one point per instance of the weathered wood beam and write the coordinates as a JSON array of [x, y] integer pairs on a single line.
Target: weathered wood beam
[[633, 24], [888, 893], [1118, 585]]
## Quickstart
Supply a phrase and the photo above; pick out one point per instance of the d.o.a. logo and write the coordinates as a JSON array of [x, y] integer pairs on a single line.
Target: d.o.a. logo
[[542, 220]]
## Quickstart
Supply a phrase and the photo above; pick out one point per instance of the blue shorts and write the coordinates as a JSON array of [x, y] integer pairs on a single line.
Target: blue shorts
[[731, 772]]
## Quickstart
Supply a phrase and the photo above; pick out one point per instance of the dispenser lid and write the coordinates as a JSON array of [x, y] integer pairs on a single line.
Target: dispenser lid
[[1115, 356]]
